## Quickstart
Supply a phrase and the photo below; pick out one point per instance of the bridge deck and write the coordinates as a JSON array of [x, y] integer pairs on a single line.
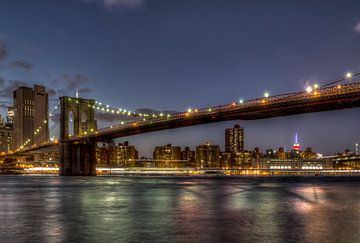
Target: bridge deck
[[331, 98]]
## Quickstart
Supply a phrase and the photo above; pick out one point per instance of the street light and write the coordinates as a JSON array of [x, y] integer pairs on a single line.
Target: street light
[[348, 75], [266, 94]]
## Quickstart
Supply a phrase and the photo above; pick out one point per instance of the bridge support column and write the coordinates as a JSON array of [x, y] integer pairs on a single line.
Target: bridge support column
[[77, 159]]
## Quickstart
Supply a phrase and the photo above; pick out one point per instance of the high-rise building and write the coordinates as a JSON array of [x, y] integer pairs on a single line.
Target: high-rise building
[[234, 140], [30, 115], [296, 145], [208, 155]]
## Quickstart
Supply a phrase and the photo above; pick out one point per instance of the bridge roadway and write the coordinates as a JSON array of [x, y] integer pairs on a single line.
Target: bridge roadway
[[324, 99]]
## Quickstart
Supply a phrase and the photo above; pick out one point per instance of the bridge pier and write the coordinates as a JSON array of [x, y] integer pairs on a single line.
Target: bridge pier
[[77, 159]]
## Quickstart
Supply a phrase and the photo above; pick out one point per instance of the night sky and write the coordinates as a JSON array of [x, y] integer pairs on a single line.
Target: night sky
[[176, 54]]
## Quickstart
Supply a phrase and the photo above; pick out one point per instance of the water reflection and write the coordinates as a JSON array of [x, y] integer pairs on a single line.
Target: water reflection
[[121, 209]]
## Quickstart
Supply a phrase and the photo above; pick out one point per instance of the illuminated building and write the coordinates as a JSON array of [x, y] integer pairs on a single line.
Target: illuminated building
[[296, 145], [234, 140], [30, 115], [188, 155], [121, 155], [166, 155], [208, 155], [6, 136]]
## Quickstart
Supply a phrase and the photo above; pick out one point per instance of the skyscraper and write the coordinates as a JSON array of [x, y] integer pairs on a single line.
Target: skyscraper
[[30, 115], [296, 145], [234, 140]]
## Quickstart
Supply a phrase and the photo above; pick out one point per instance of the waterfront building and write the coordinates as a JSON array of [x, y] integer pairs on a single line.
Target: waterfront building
[[208, 155], [167, 155], [119, 155], [189, 156], [308, 154], [30, 115], [226, 160]]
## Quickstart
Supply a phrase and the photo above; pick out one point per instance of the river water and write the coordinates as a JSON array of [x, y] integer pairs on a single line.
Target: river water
[[122, 209]]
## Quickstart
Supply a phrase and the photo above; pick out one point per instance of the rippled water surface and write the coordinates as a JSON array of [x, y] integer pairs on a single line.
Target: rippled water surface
[[118, 209]]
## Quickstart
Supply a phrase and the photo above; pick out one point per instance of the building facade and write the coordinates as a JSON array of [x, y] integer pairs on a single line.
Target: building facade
[[166, 155], [30, 115], [234, 140], [208, 156]]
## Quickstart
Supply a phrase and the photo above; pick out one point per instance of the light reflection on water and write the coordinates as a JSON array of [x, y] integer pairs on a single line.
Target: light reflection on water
[[55, 209]]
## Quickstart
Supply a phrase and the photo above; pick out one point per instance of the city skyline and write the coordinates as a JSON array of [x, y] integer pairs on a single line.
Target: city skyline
[[192, 67]]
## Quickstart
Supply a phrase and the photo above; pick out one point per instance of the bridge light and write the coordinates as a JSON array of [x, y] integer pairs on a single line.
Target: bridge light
[[209, 110], [161, 114], [99, 103], [309, 89], [107, 106], [189, 110], [316, 86], [122, 123], [339, 86], [56, 107], [348, 75], [266, 94], [241, 101], [168, 115], [233, 104]]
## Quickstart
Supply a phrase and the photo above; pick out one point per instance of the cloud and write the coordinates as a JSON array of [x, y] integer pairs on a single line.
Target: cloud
[[7, 88], [357, 28], [3, 51], [21, 64], [118, 4], [70, 83]]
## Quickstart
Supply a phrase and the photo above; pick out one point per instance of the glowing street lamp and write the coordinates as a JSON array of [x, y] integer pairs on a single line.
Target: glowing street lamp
[[266, 94]]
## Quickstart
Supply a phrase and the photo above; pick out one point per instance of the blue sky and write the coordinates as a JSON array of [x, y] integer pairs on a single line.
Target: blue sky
[[171, 55]]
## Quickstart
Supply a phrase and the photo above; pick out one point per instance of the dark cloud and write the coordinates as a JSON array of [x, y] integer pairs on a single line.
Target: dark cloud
[[3, 51], [6, 90], [68, 84], [51, 92], [21, 64]]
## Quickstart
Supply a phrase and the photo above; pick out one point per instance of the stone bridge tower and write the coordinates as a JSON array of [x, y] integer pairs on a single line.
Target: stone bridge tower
[[77, 119]]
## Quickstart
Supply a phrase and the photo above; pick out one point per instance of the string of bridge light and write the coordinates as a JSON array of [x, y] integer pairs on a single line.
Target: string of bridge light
[[309, 89], [37, 130], [121, 111]]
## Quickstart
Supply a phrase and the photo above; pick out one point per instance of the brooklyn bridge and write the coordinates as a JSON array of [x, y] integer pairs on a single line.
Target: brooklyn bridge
[[79, 133]]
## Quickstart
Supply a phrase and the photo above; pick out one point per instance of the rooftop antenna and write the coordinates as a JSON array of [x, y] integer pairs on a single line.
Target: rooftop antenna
[[77, 93]]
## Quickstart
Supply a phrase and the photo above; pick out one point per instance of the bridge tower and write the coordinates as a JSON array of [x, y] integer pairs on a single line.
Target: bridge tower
[[77, 118]]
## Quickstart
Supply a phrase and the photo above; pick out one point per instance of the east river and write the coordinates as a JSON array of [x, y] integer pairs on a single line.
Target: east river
[[123, 209]]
